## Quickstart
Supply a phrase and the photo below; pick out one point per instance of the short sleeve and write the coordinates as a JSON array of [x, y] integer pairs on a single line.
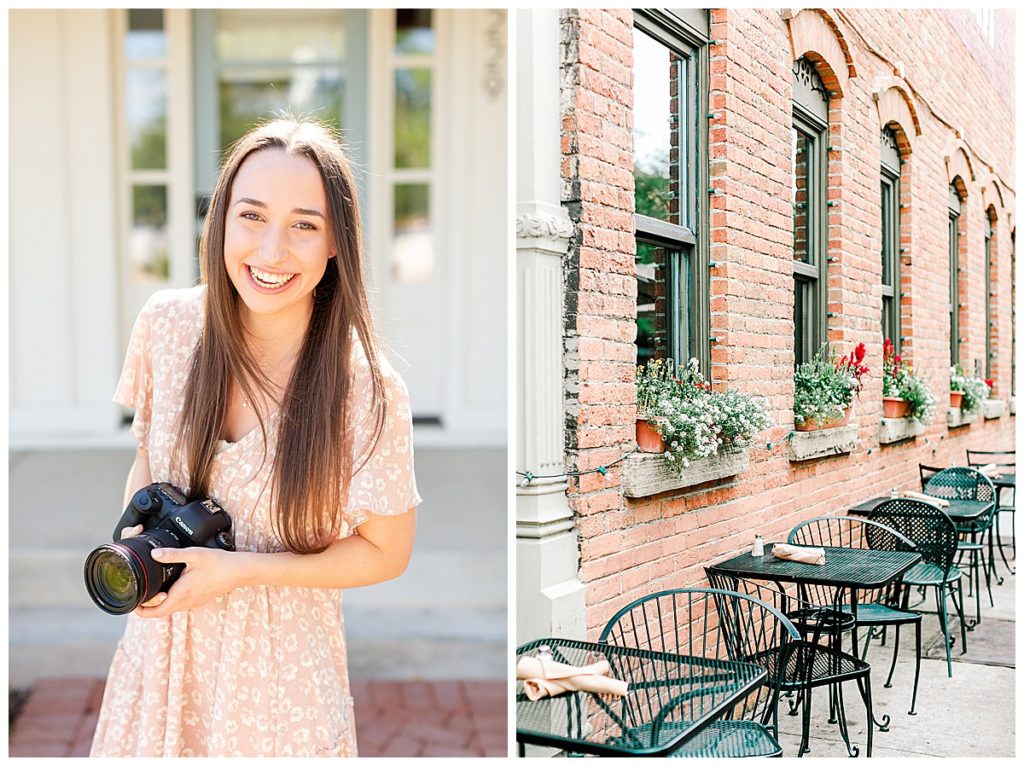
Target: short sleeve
[[135, 388], [385, 483]]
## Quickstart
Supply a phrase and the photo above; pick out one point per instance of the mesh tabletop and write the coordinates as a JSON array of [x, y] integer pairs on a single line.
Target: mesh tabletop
[[958, 510], [1005, 480], [843, 567], [671, 698]]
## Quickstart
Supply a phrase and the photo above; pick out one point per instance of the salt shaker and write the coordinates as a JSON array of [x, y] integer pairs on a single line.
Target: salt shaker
[[544, 651], [758, 549], [895, 493]]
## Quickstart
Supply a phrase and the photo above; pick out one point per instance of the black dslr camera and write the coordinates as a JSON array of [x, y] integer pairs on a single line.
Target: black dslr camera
[[121, 575]]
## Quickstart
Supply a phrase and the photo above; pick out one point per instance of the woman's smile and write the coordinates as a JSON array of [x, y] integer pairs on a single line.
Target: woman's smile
[[268, 281]]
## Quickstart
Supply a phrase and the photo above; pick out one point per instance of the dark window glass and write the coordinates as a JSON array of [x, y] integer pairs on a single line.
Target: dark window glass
[[954, 281]]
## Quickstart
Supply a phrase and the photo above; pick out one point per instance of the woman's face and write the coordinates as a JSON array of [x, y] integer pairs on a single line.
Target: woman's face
[[276, 233]]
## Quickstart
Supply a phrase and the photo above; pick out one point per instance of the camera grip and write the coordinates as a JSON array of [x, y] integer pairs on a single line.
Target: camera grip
[[144, 503]]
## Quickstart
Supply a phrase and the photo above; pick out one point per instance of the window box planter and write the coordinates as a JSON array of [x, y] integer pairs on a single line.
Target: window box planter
[[894, 407], [993, 408], [955, 417], [810, 424], [810, 445], [894, 430], [645, 474]]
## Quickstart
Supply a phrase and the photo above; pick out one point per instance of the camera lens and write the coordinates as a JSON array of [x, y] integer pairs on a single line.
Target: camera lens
[[120, 576]]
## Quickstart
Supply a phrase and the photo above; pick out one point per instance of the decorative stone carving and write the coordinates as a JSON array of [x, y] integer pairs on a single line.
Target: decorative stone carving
[[810, 445], [899, 429], [649, 474], [532, 226]]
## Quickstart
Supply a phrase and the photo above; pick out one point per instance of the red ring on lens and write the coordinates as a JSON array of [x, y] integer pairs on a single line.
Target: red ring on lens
[[142, 567]]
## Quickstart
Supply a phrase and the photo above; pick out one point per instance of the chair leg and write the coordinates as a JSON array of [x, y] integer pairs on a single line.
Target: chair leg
[[844, 730], [866, 694], [805, 736], [917, 667], [895, 654], [940, 599], [960, 613]]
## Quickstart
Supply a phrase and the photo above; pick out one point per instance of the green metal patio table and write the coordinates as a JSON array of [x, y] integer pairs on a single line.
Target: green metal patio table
[[671, 699]]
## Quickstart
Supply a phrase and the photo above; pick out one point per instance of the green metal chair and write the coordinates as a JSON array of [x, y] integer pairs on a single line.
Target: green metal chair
[[816, 660], [959, 483], [878, 608], [721, 625], [1002, 459], [935, 536]]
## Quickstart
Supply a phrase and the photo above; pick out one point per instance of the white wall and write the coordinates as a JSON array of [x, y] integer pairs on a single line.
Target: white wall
[[63, 312]]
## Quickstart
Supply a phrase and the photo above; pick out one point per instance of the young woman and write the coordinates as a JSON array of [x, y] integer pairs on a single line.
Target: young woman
[[264, 389]]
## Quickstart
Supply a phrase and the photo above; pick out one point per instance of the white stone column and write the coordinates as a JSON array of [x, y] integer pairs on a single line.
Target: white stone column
[[549, 596]]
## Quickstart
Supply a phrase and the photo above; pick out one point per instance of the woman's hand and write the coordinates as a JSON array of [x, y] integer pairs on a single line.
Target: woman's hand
[[209, 573]]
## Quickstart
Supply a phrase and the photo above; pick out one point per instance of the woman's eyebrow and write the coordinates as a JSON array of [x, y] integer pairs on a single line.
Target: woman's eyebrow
[[299, 210]]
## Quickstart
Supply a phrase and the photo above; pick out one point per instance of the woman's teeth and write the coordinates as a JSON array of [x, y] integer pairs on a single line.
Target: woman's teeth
[[269, 280]]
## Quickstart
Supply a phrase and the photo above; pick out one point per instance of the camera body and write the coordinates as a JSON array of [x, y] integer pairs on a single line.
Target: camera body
[[199, 523], [121, 575]]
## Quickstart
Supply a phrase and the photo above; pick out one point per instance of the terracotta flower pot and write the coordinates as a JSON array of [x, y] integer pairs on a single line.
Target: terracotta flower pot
[[894, 407], [955, 398], [810, 424], [647, 439]]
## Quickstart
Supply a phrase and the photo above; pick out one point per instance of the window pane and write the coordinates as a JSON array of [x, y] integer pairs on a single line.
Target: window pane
[[658, 127], [803, 319], [145, 38], [146, 107], [413, 32], [802, 189], [412, 256], [886, 234], [663, 282], [299, 37], [253, 94], [148, 244], [412, 118]]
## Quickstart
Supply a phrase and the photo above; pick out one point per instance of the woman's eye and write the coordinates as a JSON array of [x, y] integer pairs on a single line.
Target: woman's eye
[[250, 216], [305, 226]]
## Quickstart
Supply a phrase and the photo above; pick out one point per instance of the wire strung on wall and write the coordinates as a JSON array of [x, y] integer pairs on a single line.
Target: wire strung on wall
[[529, 476]]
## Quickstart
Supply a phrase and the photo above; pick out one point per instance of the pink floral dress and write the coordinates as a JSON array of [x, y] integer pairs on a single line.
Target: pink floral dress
[[260, 671]]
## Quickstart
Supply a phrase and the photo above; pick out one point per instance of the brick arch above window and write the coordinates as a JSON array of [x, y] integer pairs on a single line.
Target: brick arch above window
[[895, 105], [992, 197], [814, 35], [958, 164]]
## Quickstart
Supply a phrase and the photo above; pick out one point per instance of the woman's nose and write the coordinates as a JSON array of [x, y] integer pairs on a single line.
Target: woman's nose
[[274, 247]]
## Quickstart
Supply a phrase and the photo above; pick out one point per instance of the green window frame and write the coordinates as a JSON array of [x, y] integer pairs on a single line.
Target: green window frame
[[810, 210], [989, 322], [890, 187], [672, 216], [954, 276]]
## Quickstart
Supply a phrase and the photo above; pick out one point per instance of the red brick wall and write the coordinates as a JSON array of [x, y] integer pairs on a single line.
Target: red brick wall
[[633, 547]]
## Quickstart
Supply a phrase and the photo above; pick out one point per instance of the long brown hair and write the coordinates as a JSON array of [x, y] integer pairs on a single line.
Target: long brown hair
[[314, 461]]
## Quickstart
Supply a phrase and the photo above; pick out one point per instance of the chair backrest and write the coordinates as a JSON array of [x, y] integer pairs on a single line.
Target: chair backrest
[[928, 526], [710, 623], [848, 532], [1002, 458], [961, 483], [851, 532], [927, 471]]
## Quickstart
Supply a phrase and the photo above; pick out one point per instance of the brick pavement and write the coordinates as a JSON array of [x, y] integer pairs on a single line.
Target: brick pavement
[[393, 718]]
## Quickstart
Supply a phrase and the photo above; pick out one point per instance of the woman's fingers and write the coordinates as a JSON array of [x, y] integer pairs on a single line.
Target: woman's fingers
[[131, 531], [158, 599]]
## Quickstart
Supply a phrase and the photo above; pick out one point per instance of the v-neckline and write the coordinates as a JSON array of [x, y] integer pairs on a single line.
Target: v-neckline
[[225, 445]]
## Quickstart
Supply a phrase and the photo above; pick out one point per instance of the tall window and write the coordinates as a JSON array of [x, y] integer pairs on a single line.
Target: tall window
[[954, 276], [670, 71], [891, 238], [810, 220], [989, 321]]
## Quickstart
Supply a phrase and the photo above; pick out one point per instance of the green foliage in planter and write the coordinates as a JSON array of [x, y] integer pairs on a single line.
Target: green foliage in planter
[[693, 419], [900, 380], [825, 386], [975, 390]]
